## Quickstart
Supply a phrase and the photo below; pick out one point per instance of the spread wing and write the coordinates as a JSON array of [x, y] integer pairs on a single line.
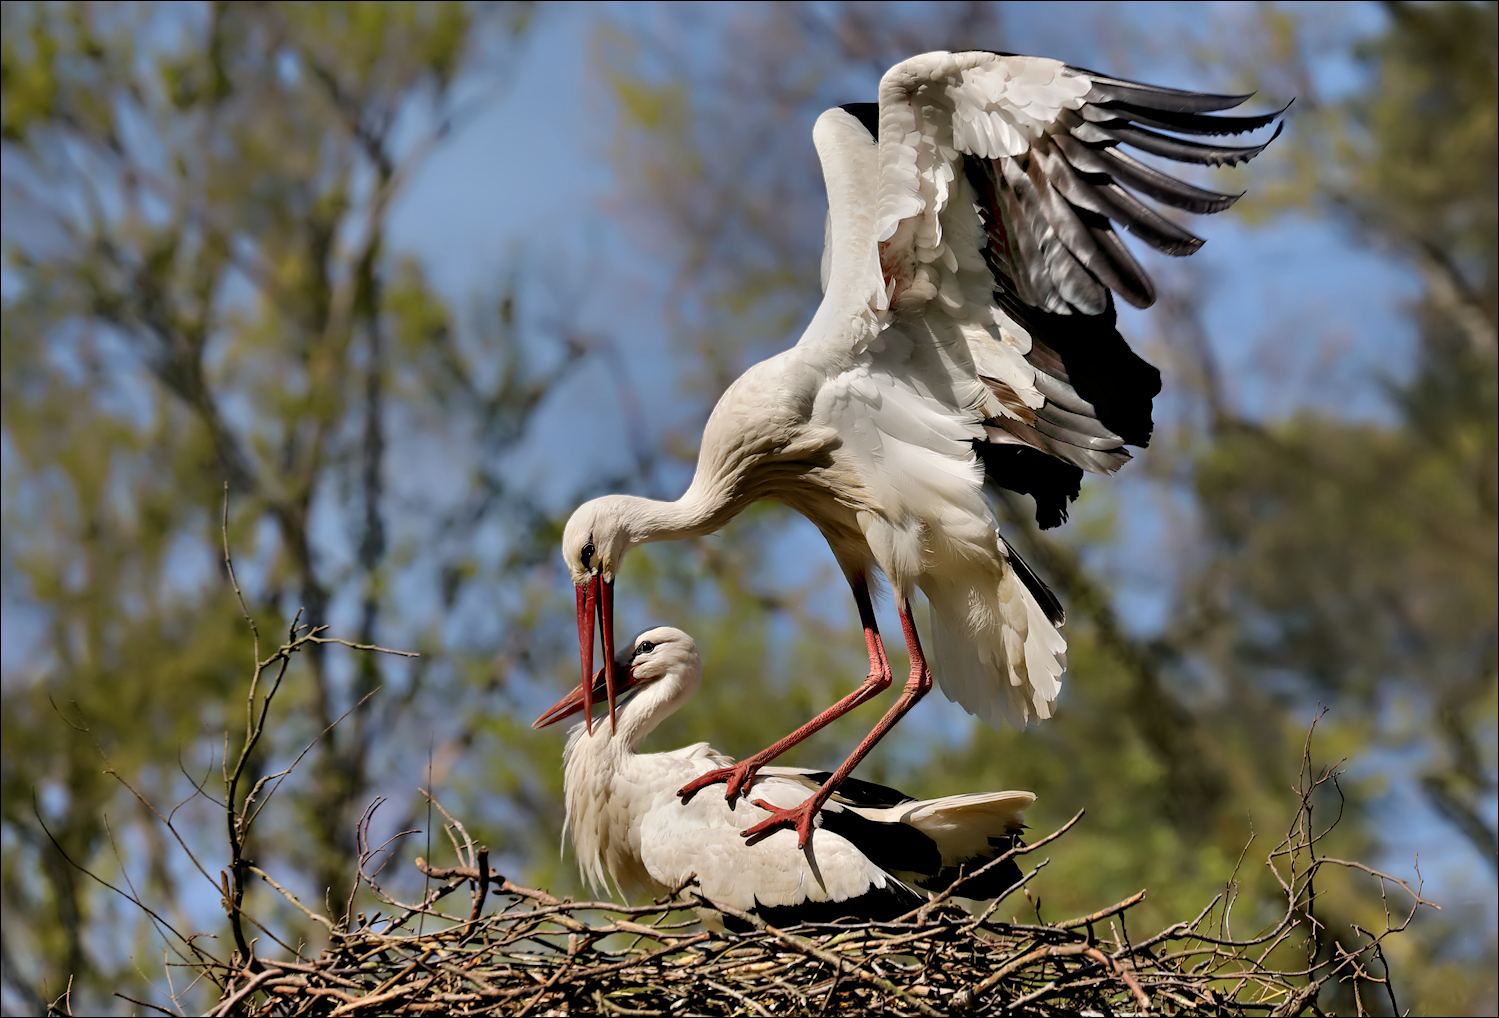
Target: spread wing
[[1000, 186]]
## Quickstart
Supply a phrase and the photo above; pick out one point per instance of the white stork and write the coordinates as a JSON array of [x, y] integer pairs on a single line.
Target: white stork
[[967, 331], [874, 852]]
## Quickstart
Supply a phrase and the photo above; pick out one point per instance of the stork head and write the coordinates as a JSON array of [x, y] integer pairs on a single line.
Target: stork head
[[593, 545], [654, 655], [661, 652]]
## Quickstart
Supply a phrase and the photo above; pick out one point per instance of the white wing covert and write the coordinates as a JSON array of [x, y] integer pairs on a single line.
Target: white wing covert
[[1000, 181]]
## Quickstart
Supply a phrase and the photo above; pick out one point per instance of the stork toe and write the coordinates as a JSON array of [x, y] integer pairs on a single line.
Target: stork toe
[[739, 777], [800, 817]]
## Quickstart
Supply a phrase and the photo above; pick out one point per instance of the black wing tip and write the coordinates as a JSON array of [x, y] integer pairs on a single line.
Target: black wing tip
[[889, 844], [1159, 97], [859, 792], [1179, 149], [867, 114], [1165, 100], [1188, 123]]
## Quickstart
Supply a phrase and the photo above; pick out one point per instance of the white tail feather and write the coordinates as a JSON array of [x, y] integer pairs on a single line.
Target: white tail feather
[[993, 651]]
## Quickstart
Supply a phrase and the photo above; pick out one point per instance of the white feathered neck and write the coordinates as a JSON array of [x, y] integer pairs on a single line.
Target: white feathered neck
[[598, 768]]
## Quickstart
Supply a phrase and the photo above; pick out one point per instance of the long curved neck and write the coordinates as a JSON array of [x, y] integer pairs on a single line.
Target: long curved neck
[[638, 717], [591, 762], [699, 511], [647, 709]]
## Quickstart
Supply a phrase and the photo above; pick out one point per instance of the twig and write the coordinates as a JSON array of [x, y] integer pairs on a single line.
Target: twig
[[1104, 913], [483, 866]]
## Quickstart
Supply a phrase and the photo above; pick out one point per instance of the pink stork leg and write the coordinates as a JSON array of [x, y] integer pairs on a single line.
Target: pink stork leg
[[801, 816], [742, 774]]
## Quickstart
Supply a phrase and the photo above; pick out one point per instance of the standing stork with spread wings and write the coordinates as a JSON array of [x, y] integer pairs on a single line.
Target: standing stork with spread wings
[[966, 332]]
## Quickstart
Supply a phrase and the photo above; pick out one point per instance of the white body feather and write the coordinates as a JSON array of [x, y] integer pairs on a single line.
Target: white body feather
[[628, 827]]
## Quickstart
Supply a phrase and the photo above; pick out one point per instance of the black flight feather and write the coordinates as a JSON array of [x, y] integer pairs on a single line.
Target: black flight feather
[[1084, 425], [1156, 97], [1054, 269], [1067, 436], [1106, 199], [1118, 166], [1099, 364], [867, 114], [1109, 261], [1168, 147], [1181, 123], [875, 905], [1068, 222], [1026, 471], [890, 845], [1143, 221]]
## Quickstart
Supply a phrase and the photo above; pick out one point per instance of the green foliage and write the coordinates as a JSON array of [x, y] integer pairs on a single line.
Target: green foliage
[[1359, 560], [1430, 127], [201, 296]]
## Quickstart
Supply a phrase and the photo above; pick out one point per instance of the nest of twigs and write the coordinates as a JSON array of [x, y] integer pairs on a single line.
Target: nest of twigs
[[541, 956], [520, 951]]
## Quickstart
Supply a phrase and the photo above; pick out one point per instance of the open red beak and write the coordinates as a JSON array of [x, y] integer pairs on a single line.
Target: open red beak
[[595, 598], [582, 698]]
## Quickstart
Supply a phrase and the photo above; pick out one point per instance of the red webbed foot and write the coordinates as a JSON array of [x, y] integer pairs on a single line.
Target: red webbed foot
[[738, 777], [798, 817]]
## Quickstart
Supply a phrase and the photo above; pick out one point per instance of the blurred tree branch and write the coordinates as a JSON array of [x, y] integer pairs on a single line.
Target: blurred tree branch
[[206, 191]]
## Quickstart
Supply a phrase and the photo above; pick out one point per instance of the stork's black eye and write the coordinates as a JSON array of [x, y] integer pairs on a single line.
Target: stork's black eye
[[588, 550], [644, 648]]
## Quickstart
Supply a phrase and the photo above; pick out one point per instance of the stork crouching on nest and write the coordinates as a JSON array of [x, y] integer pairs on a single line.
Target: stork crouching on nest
[[874, 852], [966, 335]]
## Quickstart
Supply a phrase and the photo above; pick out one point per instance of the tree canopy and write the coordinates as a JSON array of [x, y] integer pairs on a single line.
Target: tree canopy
[[200, 289]]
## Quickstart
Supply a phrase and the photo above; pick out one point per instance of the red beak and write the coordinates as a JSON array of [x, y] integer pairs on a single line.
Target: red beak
[[587, 599], [606, 629], [596, 597], [582, 699]]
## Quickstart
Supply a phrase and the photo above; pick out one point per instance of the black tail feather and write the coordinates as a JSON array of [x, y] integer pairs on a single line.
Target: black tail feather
[[1055, 614]]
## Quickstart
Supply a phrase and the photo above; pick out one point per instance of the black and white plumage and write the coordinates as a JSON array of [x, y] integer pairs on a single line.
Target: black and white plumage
[[1037, 144], [874, 854], [966, 335]]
